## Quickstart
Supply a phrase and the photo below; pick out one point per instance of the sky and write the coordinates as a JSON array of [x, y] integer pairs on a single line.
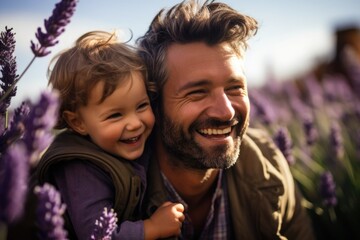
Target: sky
[[292, 35]]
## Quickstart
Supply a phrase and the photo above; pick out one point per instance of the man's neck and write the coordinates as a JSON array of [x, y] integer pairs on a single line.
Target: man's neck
[[195, 187], [191, 184]]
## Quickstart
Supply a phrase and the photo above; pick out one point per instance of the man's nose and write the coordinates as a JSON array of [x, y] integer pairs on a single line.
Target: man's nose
[[221, 107]]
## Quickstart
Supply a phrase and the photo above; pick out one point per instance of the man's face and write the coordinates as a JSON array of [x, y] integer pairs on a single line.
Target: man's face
[[205, 106]]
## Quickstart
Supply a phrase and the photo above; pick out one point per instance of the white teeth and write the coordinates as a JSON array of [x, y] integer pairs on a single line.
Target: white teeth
[[213, 131], [132, 139]]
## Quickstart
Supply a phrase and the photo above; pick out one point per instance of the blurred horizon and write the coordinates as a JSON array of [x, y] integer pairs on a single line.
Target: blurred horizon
[[292, 38]]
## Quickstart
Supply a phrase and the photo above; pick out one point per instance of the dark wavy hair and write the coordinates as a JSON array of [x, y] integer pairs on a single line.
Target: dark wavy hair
[[192, 21], [97, 56]]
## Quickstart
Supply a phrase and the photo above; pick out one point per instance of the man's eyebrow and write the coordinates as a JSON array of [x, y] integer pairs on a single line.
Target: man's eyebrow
[[194, 84], [207, 82], [237, 80]]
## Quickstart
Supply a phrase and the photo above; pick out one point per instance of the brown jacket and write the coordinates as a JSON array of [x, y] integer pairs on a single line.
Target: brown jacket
[[264, 202]]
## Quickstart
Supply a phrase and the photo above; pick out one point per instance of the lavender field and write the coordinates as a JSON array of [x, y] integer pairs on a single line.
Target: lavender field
[[314, 119], [316, 124]]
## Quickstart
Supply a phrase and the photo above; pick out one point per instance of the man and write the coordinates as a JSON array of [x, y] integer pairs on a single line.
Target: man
[[233, 181]]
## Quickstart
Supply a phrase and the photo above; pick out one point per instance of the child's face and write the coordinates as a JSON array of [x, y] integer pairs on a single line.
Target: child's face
[[122, 122]]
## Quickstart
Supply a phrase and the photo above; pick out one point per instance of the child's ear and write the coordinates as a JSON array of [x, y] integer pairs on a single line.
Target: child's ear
[[75, 122]]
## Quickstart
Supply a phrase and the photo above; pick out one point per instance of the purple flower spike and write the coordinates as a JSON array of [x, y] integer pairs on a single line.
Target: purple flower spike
[[352, 67], [49, 213], [16, 128], [315, 91], [327, 189], [336, 140], [105, 225], [54, 27], [283, 141], [8, 68], [14, 172], [39, 124], [262, 108], [310, 131]]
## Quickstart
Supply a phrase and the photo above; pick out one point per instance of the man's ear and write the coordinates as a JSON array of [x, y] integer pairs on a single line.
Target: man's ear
[[75, 122]]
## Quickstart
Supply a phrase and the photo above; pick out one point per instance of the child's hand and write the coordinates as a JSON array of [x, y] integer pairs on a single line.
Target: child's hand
[[165, 222]]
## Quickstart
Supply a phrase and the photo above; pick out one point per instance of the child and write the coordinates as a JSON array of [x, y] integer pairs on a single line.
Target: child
[[100, 159]]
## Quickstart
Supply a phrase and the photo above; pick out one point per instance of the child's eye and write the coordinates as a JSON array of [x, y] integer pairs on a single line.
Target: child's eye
[[143, 106], [115, 115]]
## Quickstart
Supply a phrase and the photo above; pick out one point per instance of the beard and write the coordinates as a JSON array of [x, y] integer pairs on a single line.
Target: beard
[[185, 151]]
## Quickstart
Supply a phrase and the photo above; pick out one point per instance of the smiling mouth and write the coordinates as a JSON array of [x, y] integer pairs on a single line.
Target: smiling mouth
[[214, 132], [131, 140]]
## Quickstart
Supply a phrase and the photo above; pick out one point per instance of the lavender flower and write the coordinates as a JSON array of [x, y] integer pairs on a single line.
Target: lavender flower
[[105, 225], [16, 128], [327, 189], [54, 26], [14, 171], [28, 135], [336, 140], [314, 91], [39, 124], [8, 69], [352, 67], [29, 131], [262, 108], [337, 89], [296, 105], [311, 133], [283, 141], [49, 213]]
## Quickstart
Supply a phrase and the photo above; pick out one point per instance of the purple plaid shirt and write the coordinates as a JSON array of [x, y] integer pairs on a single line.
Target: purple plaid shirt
[[217, 225]]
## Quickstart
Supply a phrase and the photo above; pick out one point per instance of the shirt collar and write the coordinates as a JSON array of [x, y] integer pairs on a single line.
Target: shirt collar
[[174, 196], [216, 226]]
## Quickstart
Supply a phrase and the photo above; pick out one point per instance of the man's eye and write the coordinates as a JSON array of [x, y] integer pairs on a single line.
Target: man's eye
[[236, 89], [197, 92]]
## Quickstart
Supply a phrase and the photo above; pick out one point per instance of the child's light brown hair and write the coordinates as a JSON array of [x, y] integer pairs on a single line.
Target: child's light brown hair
[[96, 57]]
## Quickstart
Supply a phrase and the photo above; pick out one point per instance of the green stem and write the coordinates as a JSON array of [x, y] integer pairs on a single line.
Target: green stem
[[6, 122], [6, 119], [3, 231], [332, 214]]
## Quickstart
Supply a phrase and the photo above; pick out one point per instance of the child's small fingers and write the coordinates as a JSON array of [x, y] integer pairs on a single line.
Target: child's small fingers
[[182, 218], [179, 207]]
